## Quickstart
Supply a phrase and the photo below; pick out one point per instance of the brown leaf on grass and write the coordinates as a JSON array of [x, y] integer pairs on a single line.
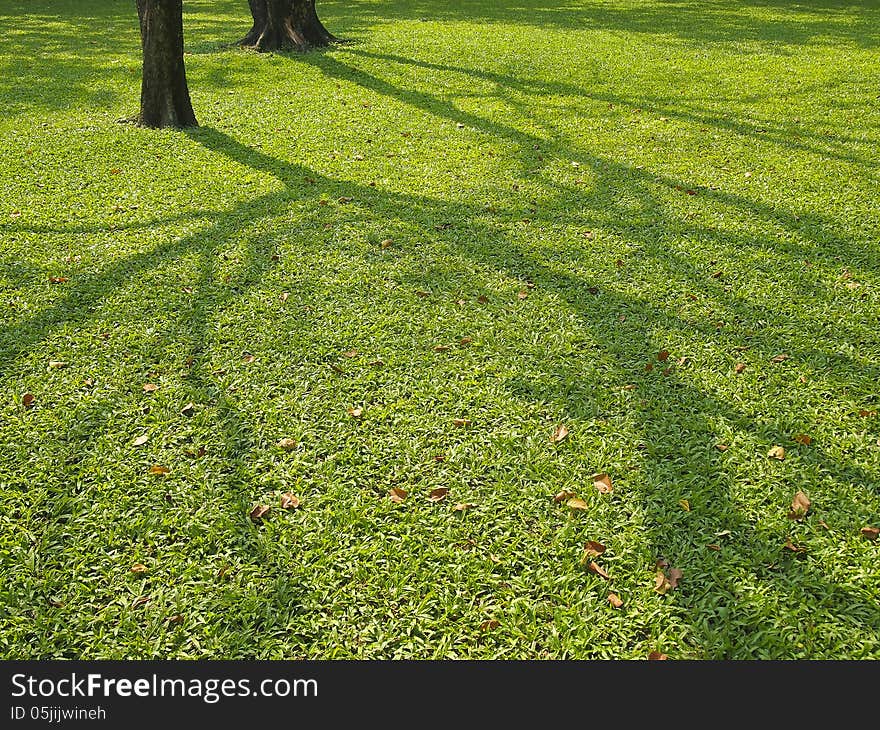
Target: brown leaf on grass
[[864, 413], [159, 470], [283, 296], [483, 299], [28, 399], [661, 583], [438, 494], [656, 656], [463, 506], [140, 601], [870, 533], [441, 348], [663, 355], [563, 495], [336, 369], [58, 279], [386, 243], [602, 482], [800, 505], [140, 440], [350, 353], [649, 367], [576, 503], [259, 512], [789, 545], [397, 495], [176, 619], [461, 422], [614, 600], [422, 294], [594, 567], [739, 367], [288, 444], [150, 387], [523, 294], [592, 549], [713, 546], [355, 412], [195, 453], [248, 358], [674, 575], [777, 452], [559, 434], [138, 568], [465, 341], [376, 363], [490, 624], [188, 410], [782, 357], [289, 501], [56, 364], [803, 439], [722, 447], [717, 274]]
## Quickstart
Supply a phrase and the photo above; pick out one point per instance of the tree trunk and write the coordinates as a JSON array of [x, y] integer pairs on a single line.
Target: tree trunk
[[286, 25], [165, 98]]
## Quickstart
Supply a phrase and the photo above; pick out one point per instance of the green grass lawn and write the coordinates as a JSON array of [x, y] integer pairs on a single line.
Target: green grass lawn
[[571, 191]]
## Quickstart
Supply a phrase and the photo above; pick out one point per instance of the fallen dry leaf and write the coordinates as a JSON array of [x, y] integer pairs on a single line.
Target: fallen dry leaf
[[58, 279], [592, 549], [57, 364], [559, 434], [782, 357], [465, 341], [422, 294], [188, 410], [140, 440], [259, 512], [777, 452], [289, 501], [248, 358], [150, 387], [649, 367], [594, 567], [523, 295], [483, 299], [463, 506], [602, 482], [176, 619], [28, 399], [656, 656], [397, 495], [614, 600], [563, 495], [800, 505], [713, 546], [722, 447], [461, 422], [576, 503], [438, 494], [288, 444], [789, 545], [739, 367], [441, 348], [138, 568], [863, 413], [386, 243], [350, 353], [663, 355], [661, 583], [489, 625], [870, 533], [356, 412], [159, 470], [283, 296], [674, 575], [803, 439]]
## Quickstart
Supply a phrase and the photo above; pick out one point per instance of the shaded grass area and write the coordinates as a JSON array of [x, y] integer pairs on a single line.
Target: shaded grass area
[[574, 188]]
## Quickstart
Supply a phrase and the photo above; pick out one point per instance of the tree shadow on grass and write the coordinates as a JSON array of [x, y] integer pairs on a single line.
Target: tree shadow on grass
[[671, 457]]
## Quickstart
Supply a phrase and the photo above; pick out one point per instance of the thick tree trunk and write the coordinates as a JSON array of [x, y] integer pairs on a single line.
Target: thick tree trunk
[[165, 98], [286, 25]]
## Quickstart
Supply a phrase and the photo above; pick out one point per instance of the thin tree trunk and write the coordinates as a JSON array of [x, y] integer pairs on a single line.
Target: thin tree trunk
[[286, 25], [165, 98]]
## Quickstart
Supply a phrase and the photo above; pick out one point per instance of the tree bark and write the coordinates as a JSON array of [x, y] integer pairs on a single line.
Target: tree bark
[[165, 98], [281, 25]]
